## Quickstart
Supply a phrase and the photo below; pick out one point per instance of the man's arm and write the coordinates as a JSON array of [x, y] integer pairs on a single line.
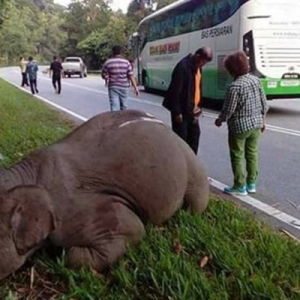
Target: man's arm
[[51, 70], [130, 77], [175, 89], [135, 87], [104, 72]]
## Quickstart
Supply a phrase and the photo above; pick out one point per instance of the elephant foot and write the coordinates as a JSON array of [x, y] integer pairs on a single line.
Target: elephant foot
[[122, 227], [93, 258]]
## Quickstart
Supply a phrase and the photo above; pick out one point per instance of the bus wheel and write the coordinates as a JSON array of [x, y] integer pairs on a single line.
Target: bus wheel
[[146, 83]]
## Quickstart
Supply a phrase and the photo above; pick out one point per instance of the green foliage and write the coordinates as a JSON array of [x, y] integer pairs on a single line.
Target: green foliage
[[223, 254], [36, 129], [28, 30], [86, 28]]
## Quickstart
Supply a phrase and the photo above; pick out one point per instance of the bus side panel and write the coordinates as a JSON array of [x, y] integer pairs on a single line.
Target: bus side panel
[[223, 39], [161, 57]]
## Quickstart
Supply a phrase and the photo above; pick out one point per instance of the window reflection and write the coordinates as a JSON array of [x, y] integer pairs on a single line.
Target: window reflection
[[191, 16]]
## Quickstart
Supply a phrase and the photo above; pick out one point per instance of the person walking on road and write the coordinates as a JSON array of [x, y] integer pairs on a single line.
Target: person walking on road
[[119, 74], [56, 72], [183, 98], [23, 64], [31, 71], [244, 110]]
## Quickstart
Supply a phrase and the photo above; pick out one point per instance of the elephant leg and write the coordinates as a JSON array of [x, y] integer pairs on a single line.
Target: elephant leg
[[119, 228], [197, 193]]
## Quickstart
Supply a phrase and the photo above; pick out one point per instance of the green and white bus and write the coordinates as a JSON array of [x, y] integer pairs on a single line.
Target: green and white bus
[[267, 30]]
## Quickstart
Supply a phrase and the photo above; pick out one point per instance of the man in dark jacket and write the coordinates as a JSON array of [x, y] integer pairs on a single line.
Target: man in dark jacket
[[56, 72], [184, 95]]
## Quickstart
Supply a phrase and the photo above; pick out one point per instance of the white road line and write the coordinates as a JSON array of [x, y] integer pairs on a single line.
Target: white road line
[[255, 203], [144, 101], [278, 129], [72, 113], [269, 210]]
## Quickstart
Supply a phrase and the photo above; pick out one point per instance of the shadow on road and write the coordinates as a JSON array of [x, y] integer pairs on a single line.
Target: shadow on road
[[211, 104]]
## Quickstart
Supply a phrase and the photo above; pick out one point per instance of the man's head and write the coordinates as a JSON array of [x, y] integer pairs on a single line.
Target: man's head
[[116, 50], [237, 64], [30, 58], [54, 57], [21, 57], [202, 56]]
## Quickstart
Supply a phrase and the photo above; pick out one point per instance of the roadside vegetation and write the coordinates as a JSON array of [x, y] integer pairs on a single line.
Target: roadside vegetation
[[86, 28], [223, 254]]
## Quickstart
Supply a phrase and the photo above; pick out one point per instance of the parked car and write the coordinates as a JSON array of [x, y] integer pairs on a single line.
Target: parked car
[[74, 66]]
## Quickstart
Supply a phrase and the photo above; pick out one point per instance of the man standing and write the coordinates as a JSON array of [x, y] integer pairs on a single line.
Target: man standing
[[55, 72], [23, 64], [183, 98], [119, 74], [31, 71]]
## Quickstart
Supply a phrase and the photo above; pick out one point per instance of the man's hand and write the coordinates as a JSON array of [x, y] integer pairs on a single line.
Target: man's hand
[[178, 119], [197, 112], [218, 122], [136, 91]]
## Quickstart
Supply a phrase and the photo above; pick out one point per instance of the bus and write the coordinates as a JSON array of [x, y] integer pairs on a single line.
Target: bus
[[268, 31]]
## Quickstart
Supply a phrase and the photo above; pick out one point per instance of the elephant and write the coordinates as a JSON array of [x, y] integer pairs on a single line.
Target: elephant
[[93, 191]]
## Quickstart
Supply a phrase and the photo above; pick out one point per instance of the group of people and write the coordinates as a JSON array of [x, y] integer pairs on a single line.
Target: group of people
[[244, 108], [29, 71]]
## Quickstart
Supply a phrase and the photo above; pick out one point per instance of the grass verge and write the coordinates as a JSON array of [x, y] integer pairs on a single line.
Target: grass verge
[[224, 254]]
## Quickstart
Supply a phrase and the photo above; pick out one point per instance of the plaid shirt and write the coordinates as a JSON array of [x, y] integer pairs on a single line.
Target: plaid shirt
[[245, 105]]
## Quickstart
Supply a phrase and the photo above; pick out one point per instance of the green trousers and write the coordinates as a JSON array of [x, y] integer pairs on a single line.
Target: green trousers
[[244, 146]]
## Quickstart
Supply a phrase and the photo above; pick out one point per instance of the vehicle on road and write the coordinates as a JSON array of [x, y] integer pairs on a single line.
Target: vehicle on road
[[267, 30], [74, 66]]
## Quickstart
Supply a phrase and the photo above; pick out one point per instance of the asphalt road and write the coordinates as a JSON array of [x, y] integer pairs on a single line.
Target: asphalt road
[[278, 185]]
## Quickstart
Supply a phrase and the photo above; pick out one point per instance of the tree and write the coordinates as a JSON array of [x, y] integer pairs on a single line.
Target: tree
[[97, 46], [83, 18], [31, 30]]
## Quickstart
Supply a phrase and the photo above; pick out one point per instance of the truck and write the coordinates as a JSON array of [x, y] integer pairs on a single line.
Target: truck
[[74, 66]]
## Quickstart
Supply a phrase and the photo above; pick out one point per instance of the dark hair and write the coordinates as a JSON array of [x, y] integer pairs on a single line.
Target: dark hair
[[30, 58], [237, 64], [21, 57], [116, 50], [54, 57], [205, 53]]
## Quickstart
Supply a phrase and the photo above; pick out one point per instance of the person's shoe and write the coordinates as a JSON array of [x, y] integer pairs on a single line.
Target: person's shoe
[[251, 188], [240, 191], [37, 91]]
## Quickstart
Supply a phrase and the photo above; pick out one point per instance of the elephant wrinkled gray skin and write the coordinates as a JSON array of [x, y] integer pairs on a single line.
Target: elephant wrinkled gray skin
[[92, 192]]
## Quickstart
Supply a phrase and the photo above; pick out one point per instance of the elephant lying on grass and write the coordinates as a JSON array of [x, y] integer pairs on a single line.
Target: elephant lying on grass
[[92, 192]]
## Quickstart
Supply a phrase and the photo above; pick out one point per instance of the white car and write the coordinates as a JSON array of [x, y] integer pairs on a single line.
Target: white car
[[74, 66]]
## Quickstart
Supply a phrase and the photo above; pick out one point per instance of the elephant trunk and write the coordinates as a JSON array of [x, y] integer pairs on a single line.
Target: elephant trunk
[[10, 259]]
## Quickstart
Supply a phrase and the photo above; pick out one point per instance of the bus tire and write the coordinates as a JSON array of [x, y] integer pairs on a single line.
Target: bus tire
[[145, 83]]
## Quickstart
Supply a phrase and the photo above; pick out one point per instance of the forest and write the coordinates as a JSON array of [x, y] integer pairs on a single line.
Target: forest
[[86, 28]]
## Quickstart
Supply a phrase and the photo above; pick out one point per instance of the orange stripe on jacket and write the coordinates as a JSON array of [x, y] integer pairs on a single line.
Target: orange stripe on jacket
[[197, 88]]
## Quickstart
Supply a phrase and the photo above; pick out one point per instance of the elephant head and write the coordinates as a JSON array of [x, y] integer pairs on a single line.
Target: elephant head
[[26, 219]]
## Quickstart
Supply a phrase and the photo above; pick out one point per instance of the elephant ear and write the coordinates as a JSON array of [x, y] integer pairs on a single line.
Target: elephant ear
[[33, 217]]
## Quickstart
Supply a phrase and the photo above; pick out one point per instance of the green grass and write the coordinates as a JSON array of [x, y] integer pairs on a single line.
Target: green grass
[[224, 254]]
